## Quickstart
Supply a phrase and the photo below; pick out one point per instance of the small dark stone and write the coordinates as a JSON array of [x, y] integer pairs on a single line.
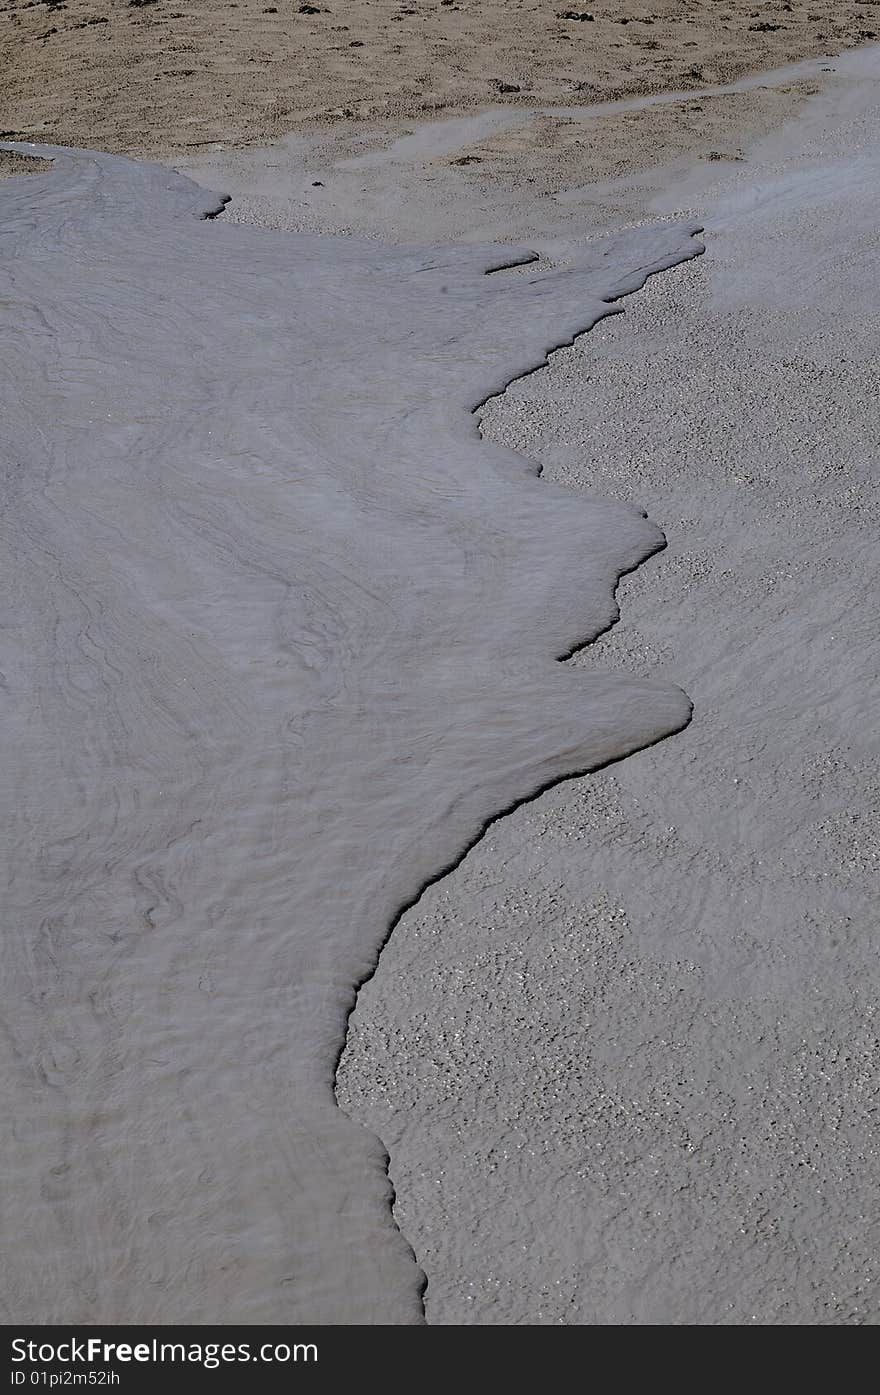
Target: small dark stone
[[317, 183], [578, 16], [508, 87]]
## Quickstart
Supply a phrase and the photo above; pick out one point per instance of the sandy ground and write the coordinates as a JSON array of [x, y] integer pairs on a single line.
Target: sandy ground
[[624, 1057], [11, 164], [151, 75], [489, 172]]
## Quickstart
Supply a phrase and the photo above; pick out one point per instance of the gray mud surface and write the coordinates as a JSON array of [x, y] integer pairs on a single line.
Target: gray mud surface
[[280, 636], [625, 1057]]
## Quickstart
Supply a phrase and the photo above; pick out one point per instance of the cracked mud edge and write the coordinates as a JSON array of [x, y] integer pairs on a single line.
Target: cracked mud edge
[[578, 646]]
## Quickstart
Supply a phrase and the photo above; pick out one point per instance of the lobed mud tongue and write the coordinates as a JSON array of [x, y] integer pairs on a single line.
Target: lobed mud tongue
[[279, 640]]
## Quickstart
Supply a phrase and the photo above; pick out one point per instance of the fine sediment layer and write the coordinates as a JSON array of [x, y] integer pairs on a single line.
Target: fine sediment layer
[[281, 636], [652, 1095]]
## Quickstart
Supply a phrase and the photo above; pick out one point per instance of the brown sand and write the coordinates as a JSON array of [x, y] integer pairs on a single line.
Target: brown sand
[[146, 77], [554, 151]]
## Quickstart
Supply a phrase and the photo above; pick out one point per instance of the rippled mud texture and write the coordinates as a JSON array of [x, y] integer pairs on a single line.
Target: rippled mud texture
[[653, 1097], [280, 637]]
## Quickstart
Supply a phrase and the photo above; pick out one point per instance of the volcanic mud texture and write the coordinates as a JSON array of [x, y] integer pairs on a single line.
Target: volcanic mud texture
[[281, 636], [624, 1058]]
